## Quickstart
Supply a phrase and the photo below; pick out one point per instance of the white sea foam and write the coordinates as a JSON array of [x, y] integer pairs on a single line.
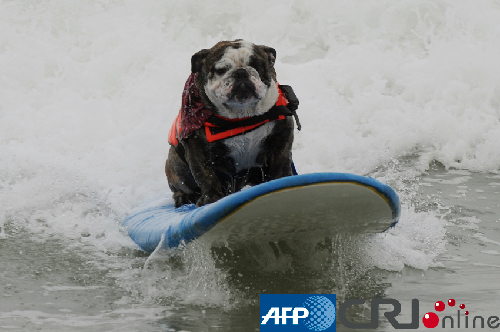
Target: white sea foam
[[88, 91], [415, 241]]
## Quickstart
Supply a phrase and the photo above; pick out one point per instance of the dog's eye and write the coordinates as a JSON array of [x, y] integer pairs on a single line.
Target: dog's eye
[[256, 64], [220, 71]]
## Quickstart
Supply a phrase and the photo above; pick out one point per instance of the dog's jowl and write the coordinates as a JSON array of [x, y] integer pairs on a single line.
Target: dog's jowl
[[234, 127]]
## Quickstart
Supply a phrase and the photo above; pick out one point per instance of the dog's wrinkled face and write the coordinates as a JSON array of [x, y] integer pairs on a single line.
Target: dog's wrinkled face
[[238, 78]]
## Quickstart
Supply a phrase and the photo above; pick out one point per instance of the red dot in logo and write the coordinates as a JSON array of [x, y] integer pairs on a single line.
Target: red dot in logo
[[439, 306], [451, 302], [466, 312], [462, 306], [430, 320]]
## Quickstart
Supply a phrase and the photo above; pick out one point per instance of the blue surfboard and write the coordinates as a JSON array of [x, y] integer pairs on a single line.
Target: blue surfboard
[[294, 207]]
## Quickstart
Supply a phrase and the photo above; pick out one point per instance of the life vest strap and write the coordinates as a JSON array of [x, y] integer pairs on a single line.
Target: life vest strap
[[273, 114], [217, 128]]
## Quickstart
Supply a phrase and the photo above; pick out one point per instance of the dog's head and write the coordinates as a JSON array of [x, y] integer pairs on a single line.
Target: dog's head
[[236, 79]]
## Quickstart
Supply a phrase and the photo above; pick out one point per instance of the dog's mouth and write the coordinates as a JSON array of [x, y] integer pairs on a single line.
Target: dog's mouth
[[243, 92]]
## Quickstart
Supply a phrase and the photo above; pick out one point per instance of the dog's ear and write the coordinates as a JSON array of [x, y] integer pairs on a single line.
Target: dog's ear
[[271, 53], [197, 60]]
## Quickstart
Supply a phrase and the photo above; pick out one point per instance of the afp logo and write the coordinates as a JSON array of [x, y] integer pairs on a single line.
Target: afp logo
[[297, 312]]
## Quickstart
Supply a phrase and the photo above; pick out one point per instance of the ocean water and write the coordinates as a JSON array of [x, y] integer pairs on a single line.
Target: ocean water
[[405, 91]]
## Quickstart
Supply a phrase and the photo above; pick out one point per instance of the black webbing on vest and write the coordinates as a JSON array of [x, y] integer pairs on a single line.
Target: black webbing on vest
[[293, 102], [224, 125]]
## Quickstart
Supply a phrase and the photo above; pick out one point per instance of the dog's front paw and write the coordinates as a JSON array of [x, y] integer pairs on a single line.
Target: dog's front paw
[[181, 198], [208, 198]]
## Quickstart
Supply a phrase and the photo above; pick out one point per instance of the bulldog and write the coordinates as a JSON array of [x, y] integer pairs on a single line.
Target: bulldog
[[235, 126]]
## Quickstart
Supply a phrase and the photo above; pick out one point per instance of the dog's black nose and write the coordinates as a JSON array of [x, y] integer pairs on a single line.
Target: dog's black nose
[[241, 74]]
